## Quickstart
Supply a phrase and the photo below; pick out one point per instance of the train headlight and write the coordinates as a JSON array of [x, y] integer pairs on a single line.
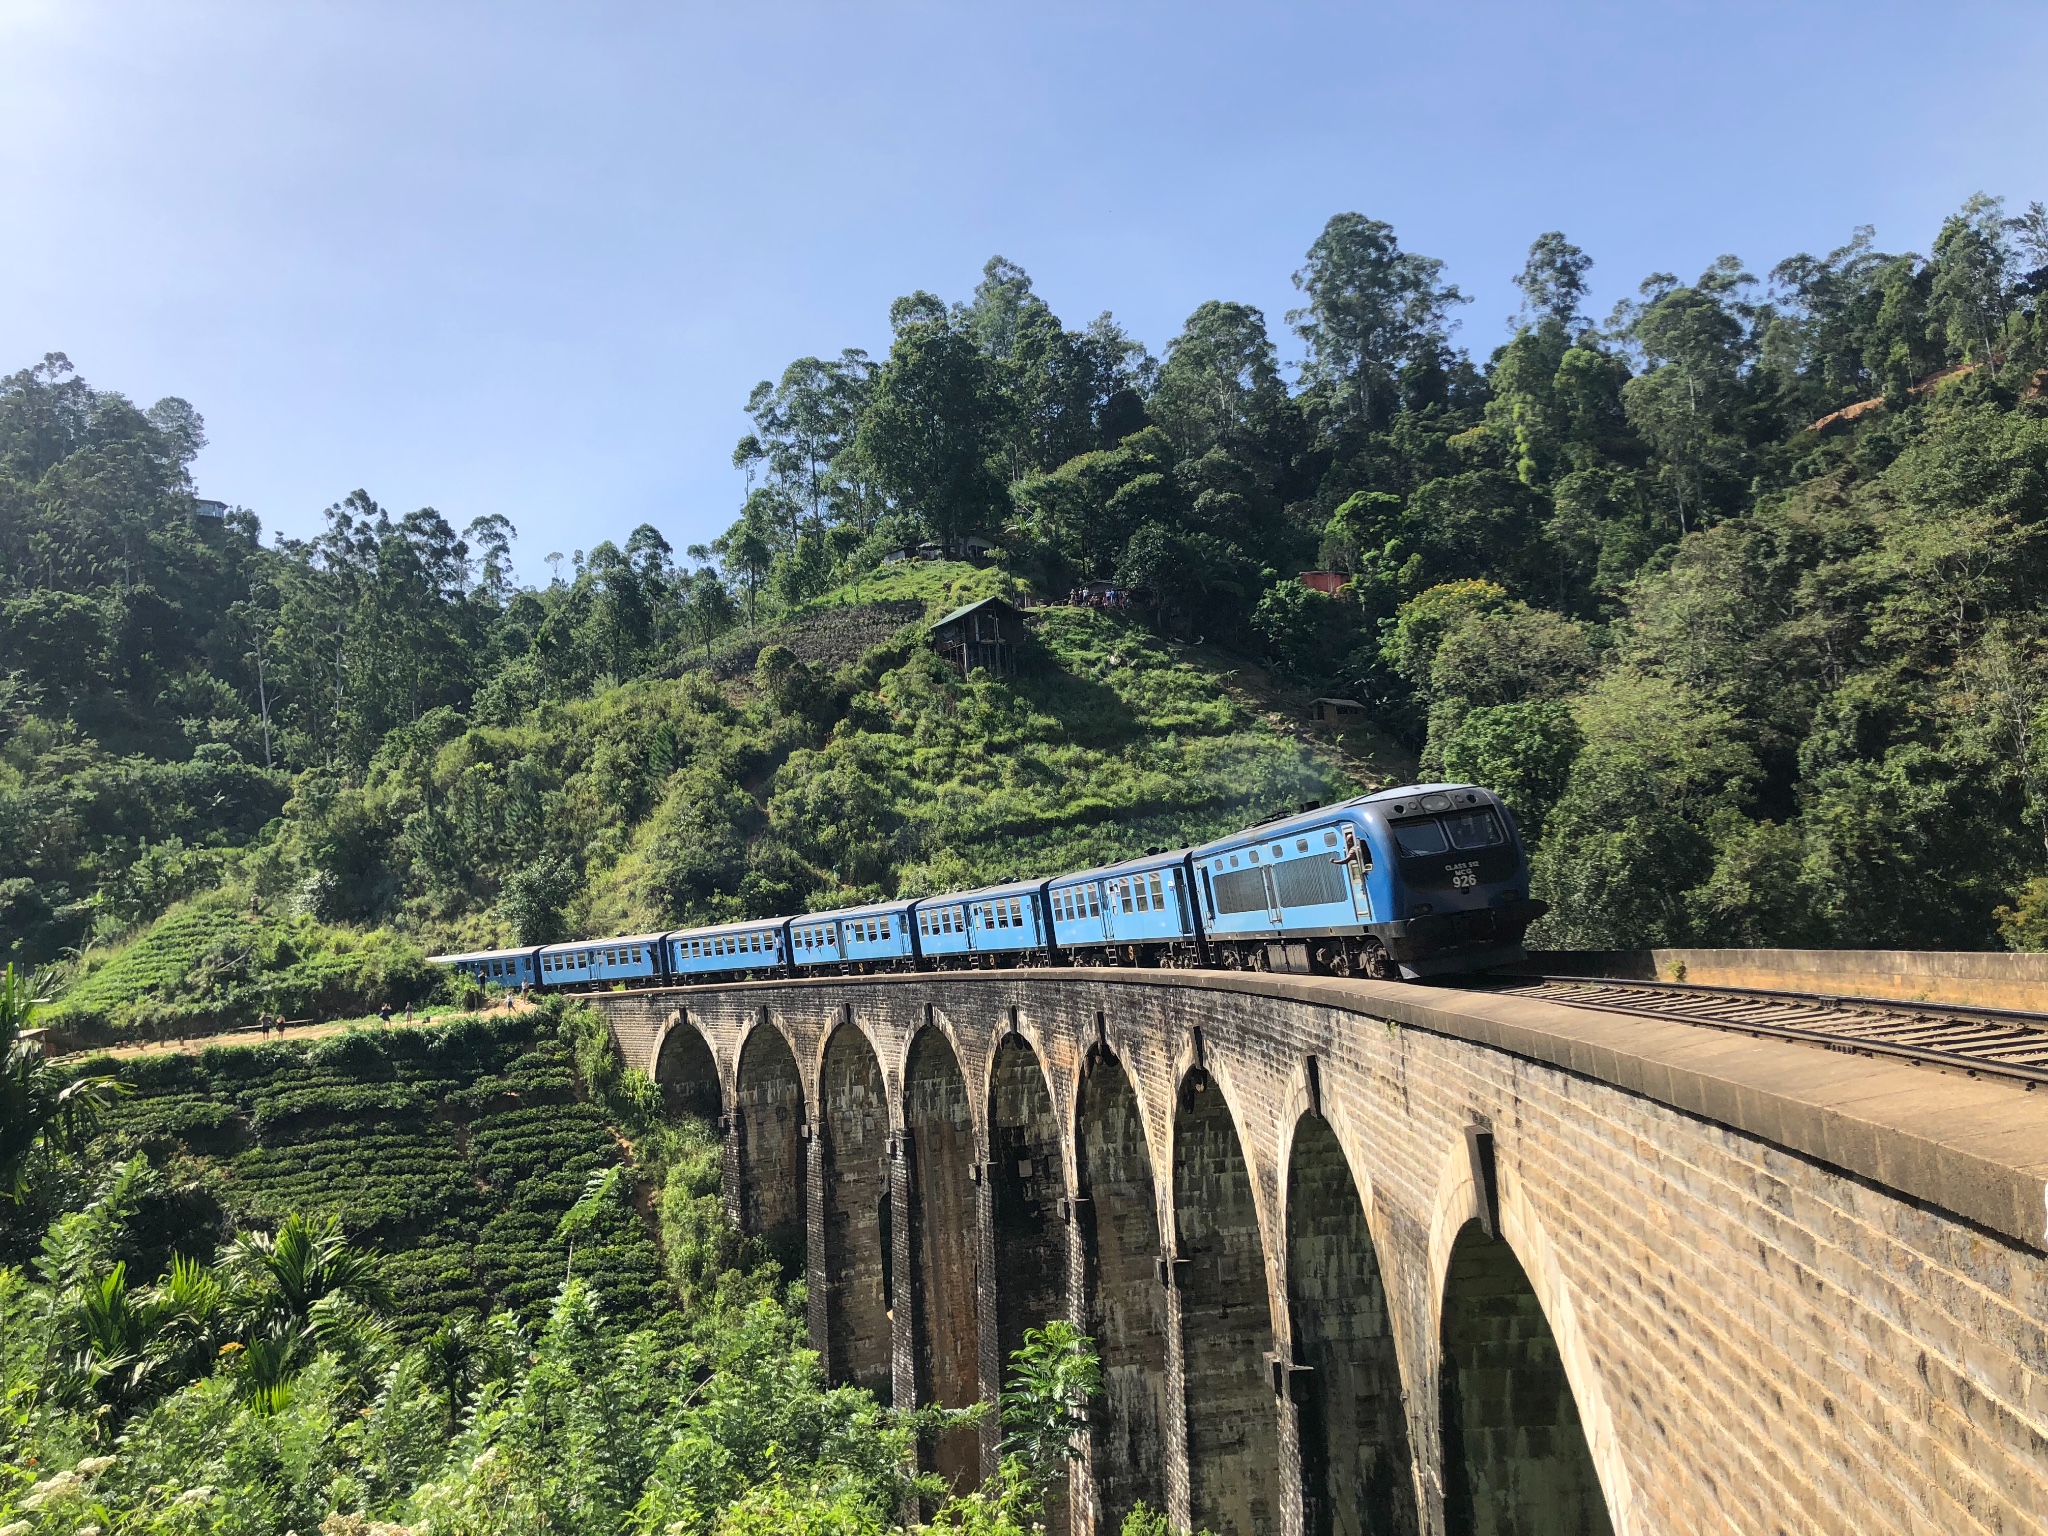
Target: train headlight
[[1436, 802]]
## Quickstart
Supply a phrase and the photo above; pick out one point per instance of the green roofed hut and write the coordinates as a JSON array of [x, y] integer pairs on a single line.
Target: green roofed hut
[[984, 634]]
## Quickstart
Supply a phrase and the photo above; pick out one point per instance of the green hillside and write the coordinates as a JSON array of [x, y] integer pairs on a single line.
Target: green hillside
[[782, 773]]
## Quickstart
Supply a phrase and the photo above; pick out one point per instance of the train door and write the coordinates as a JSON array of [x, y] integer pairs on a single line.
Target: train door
[[1273, 914]]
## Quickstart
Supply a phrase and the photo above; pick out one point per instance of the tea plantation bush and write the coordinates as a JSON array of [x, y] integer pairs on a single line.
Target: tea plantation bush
[[453, 1150], [213, 964]]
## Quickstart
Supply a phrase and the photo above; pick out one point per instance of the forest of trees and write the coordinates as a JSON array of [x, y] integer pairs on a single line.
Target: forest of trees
[[1736, 594]]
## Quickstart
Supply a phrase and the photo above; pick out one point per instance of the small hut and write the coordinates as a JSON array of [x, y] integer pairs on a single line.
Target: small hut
[[1339, 713], [984, 634]]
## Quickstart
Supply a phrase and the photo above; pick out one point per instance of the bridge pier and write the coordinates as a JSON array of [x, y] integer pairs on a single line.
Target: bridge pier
[[946, 1236], [768, 1126], [1357, 1476], [1369, 1258], [1230, 1370], [851, 1279]]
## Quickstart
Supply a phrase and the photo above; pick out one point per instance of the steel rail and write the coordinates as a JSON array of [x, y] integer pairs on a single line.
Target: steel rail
[[1988, 1042]]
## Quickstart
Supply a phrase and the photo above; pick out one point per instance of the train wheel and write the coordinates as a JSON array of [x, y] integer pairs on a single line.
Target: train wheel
[[1375, 963], [1340, 962]]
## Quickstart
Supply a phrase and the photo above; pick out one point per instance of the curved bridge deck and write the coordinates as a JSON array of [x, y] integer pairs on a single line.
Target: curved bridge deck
[[1364, 1257]]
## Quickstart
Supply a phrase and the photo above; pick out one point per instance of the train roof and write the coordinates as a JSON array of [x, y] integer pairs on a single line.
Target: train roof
[[1386, 801], [865, 909], [478, 954], [1164, 859], [617, 938], [986, 892], [744, 925]]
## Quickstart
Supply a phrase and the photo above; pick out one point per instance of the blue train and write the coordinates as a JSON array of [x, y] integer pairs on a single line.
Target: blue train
[[1426, 880]]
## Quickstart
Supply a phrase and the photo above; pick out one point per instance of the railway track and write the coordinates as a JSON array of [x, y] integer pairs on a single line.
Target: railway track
[[1980, 1042]]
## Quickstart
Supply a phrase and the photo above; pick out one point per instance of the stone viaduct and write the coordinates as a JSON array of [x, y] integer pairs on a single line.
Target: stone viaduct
[[1370, 1258]]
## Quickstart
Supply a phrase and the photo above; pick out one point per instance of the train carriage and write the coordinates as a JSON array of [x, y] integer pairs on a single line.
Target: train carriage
[[1006, 924], [493, 967], [630, 958], [728, 949], [861, 939], [943, 931], [1140, 911]]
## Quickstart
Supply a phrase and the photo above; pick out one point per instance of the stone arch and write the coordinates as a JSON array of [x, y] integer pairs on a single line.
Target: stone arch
[[1027, 1182], [1357, 1470], [1119, 1228], [1515, 1454], [1226, 1320], [687, 1070], [857, 1214], [944, 1244], [769, 1104]]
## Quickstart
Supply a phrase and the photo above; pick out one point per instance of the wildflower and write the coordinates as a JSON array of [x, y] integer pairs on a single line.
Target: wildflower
[[52, 1488], [231, 1347], [93, 1466], [14, 1528], [192, 1496], [87, 1530]]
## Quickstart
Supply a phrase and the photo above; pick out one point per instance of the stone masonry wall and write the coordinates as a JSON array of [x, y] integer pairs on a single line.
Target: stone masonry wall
[[1790, 1291]]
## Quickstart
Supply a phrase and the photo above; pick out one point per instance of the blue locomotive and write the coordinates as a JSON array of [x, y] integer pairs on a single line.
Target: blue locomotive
[[1425, 880]]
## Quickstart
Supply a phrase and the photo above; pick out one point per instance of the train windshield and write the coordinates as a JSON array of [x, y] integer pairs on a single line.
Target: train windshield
[[1416, 838], [1474, 829]]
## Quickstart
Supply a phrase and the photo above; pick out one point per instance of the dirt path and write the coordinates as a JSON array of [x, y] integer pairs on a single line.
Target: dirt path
[[1364, 754], [198, 1043]]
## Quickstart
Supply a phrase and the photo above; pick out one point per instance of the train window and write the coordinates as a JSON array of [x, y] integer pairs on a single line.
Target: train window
[[1474, 829], [1329, 839], [1301, 845], [1016, 914], [1123, 890], [1416, 838], [1095, 901], [1279, 852], [1143, 904], [1233, 861], [1158, 896], [885, 928]]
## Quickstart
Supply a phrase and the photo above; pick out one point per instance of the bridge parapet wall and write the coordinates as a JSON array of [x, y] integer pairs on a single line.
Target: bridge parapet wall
[[1621, 1274]]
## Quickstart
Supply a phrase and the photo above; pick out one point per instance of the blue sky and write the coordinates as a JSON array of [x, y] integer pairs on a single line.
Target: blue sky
[[530, 258]]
